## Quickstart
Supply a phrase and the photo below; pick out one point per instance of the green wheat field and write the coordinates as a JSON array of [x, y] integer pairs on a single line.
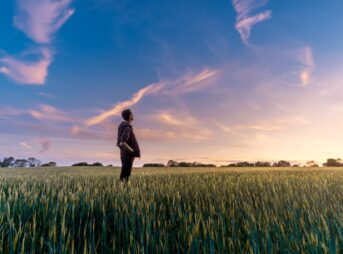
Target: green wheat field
[[171, 210]]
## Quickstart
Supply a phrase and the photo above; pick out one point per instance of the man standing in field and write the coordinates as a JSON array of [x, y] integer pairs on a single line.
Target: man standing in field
[[128, 144]]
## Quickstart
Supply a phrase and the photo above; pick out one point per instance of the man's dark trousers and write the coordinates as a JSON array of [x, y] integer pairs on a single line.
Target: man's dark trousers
[[126, 167]]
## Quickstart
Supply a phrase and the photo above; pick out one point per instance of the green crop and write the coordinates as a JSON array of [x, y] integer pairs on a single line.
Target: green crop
[[171, 210]]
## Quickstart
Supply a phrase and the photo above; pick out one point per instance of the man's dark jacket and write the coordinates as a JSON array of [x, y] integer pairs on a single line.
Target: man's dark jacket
[[126, 135]]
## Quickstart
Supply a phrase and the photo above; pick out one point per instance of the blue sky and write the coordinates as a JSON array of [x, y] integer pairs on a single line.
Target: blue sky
[[211, 81]]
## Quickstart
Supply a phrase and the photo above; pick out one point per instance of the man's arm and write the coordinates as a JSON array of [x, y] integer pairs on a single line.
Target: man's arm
[[124, 138], [126, 147]]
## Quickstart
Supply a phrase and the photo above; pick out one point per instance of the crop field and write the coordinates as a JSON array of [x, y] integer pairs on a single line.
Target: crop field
[[171, 210]]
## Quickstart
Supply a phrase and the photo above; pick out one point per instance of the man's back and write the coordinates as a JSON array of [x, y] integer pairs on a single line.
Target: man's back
[[126, 135]]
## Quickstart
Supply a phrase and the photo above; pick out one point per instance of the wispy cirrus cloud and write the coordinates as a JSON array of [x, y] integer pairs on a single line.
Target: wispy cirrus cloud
[[185, 84], [11, 112], [40, 19], [305, 57], [120, 106], [27, 71], [173, 119], [194, 81], [245, 19], [50, 113], [25, 145], [192, 135], [277, 124], [177, 125], [43, 112]]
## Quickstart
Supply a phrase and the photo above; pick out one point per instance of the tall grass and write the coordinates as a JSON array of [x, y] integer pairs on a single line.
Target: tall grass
[[86, 210]]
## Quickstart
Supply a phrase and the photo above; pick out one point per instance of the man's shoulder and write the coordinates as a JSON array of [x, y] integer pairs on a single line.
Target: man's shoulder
[[124, 124]]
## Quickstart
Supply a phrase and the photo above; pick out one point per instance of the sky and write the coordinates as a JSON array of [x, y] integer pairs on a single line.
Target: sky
[[208, 81]]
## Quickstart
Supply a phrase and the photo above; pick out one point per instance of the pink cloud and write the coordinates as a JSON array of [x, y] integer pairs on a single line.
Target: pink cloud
[[173, 119], [305, 57], [46, 144], [174, 125], [271, 125], [189, 135], [185, 84], [244, 26], [4, 70], [120, 106], [27, 72], [50, 113], [245, 7], [194, 81], [44, 112], [25, 145], [40, 19], [245, 21]]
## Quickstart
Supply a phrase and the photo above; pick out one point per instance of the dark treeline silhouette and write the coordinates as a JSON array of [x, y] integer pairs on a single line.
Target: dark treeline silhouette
[[11, 162], [333, 163], [281, 163], [172, 163], [242, 164], [85, 164], [49, 164], [151, 165]]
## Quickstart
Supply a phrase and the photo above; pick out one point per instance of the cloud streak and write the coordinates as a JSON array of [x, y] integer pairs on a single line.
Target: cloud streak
[[44, 112], [40, 19], [194, 81], [245, 20], [175, 120], [27, 72], [305, 57], [120, 106], [174, 125], [25, 145], [49, 113], [185, 84], [273, 125]]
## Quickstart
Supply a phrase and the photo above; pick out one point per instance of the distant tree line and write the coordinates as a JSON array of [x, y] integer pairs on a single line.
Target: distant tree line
[[309, 164], [333, 163], [172, 163], [85, 164], [282, 163], [49, 164], [151, 165], [11, 162]]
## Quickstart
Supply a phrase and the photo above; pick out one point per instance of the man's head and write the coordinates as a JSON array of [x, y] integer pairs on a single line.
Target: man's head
[[127, 115]]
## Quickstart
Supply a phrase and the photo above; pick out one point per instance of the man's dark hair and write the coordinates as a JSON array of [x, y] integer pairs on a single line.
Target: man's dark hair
[[126, 114]]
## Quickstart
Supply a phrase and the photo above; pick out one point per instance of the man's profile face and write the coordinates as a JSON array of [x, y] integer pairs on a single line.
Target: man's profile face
[[131, 117]]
